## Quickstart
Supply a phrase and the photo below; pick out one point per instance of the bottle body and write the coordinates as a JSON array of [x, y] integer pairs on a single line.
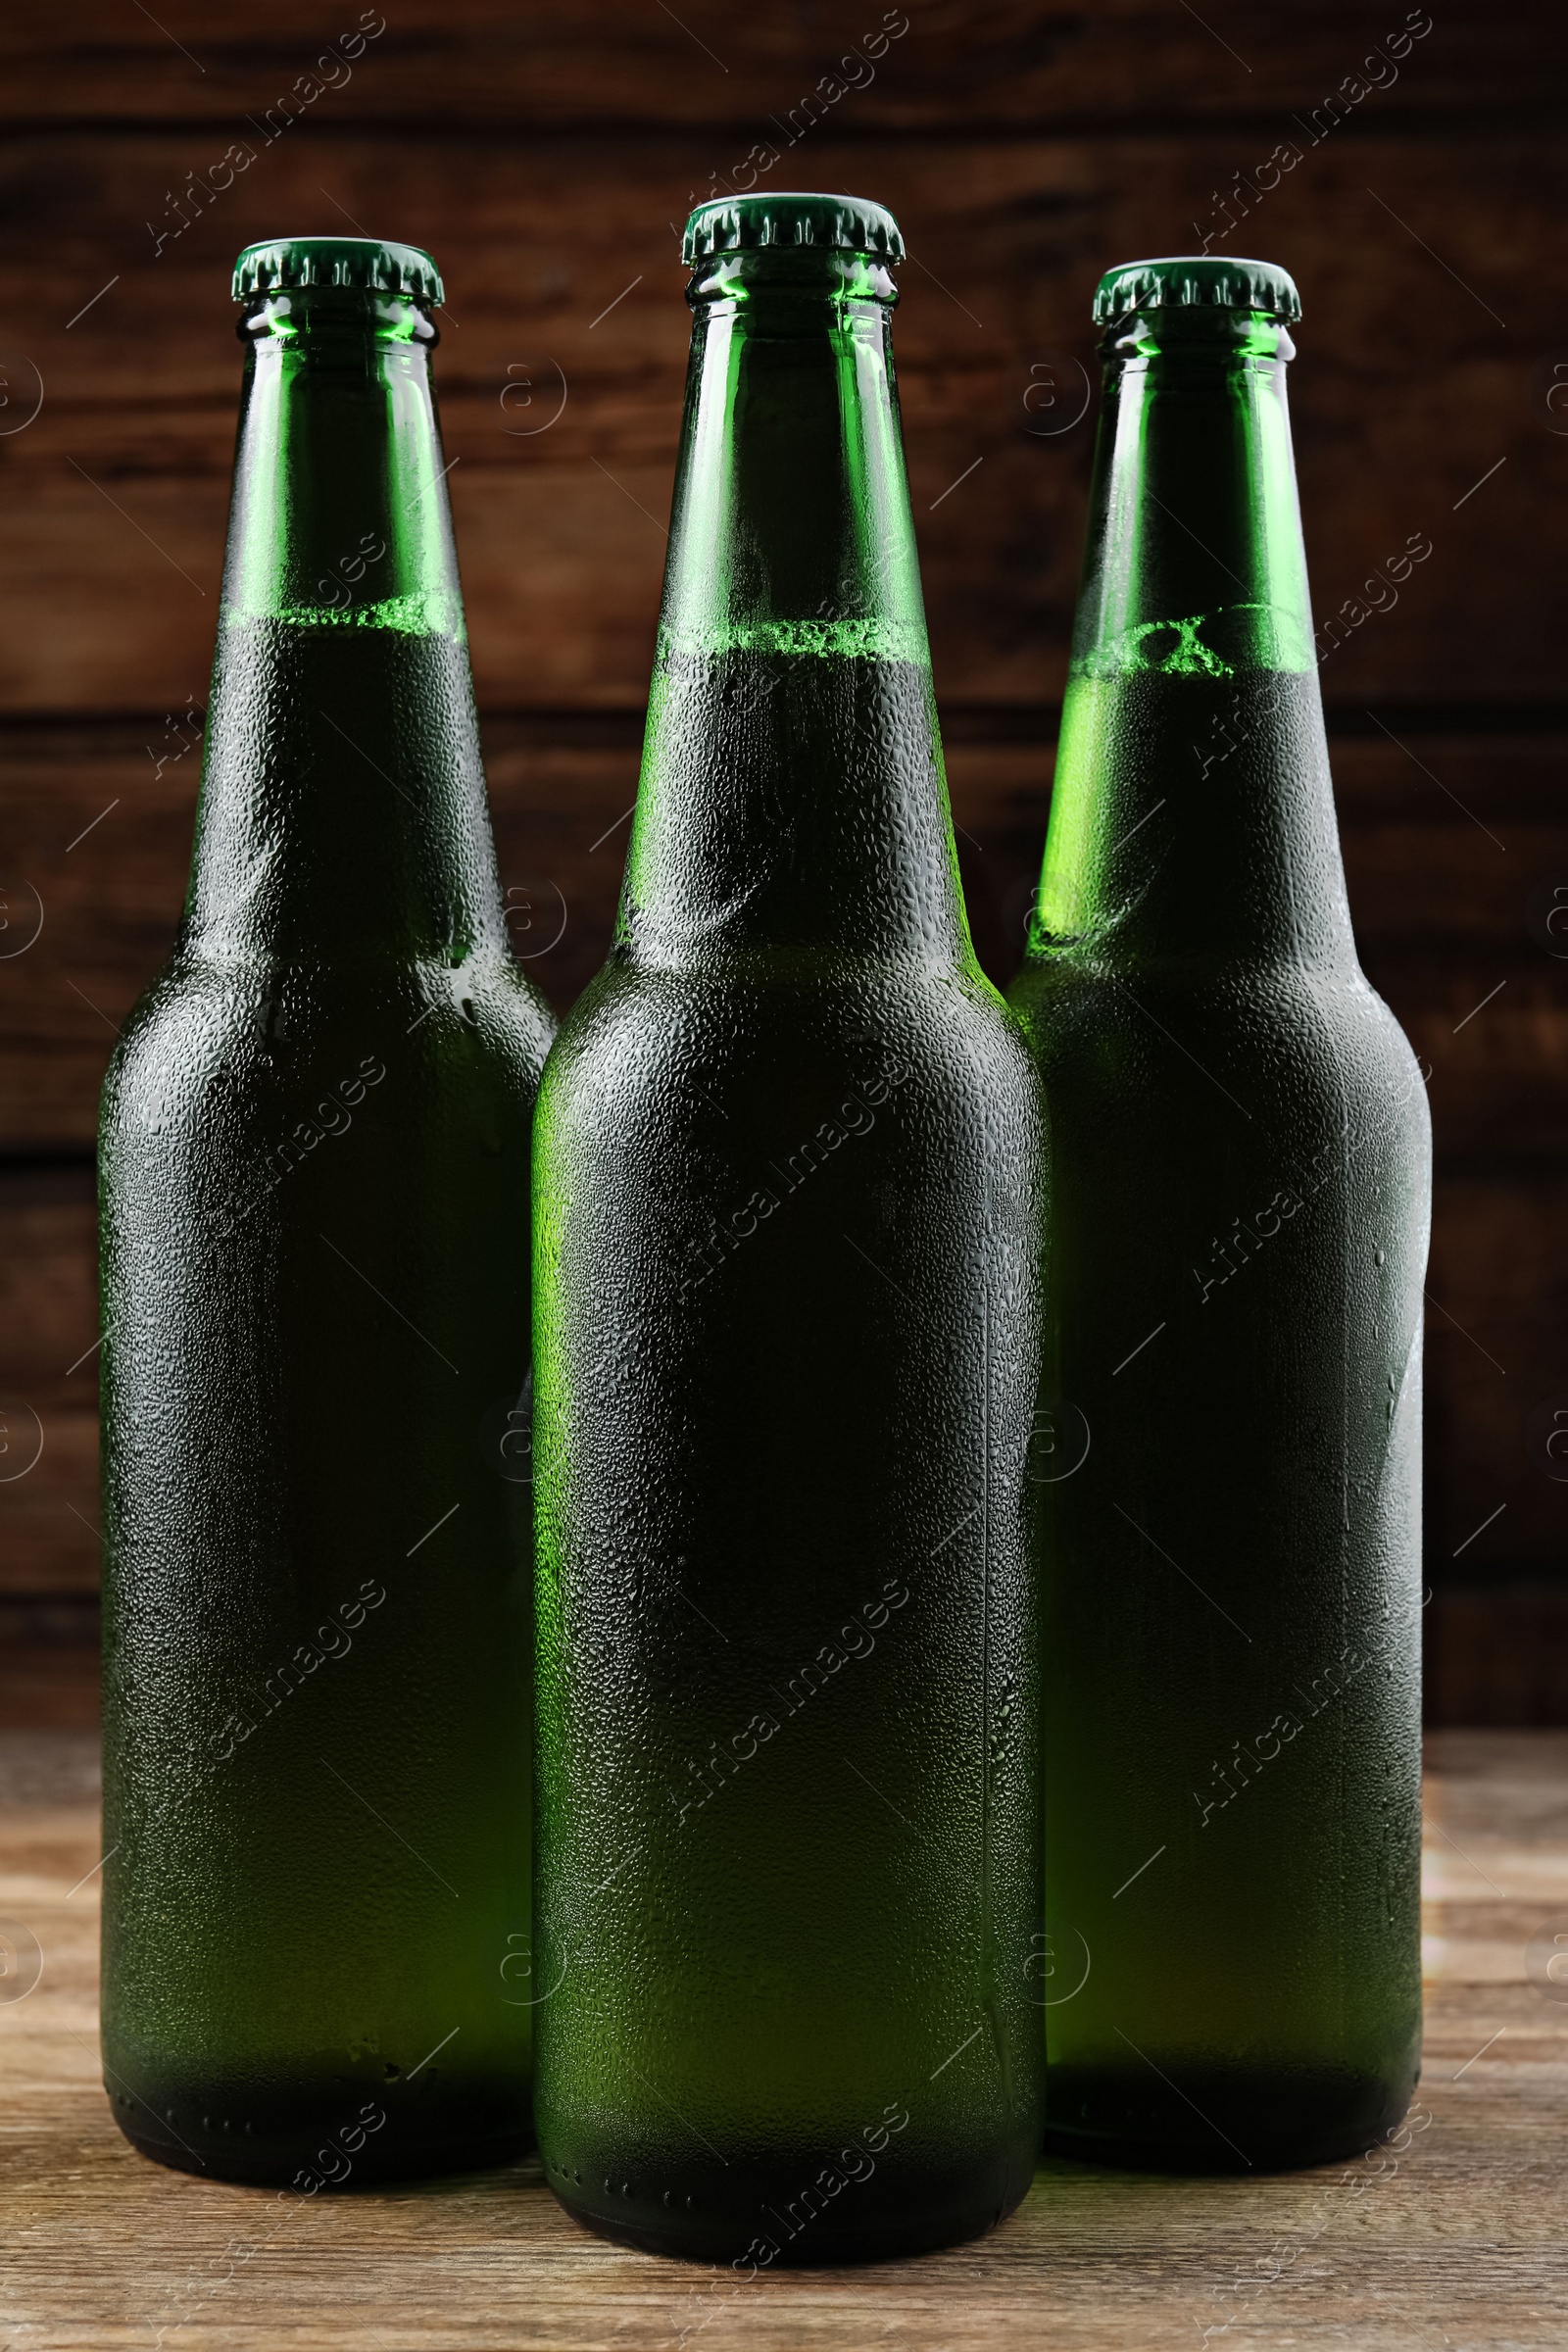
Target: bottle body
[[1240, 1177], [314, 1167], [787, 1207], [787, 1668], [1232, 1689]]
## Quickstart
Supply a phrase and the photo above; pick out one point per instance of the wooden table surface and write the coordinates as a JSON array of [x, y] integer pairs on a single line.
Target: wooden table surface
[[1458, 2241]]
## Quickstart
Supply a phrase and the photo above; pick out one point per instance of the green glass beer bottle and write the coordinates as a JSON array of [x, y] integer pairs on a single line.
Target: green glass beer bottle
[[787, 1216], [1241, 1172], [313, 1162]]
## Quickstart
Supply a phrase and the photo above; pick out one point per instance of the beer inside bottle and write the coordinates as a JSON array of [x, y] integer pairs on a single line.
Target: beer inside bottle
[[314, 1248], [787, 1216], [1229, 1437]]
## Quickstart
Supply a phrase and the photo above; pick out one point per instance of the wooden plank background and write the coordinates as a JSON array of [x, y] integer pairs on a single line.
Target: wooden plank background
[[548, 158]]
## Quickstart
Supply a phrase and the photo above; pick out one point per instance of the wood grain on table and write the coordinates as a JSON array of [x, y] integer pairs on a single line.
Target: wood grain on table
[[1454, 2239]]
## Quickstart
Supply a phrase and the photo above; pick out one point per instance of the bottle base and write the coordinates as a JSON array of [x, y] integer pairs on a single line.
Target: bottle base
[[1226, 2127], [782, 2230], [1156, 2156], [305, 2165]]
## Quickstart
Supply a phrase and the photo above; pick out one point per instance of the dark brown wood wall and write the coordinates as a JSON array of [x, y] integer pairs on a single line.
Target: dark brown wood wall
[[548, 158]]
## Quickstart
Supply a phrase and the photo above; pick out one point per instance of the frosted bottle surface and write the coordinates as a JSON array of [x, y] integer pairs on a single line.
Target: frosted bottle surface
[[314, 1261], [786, 1202], [1241, 1185]]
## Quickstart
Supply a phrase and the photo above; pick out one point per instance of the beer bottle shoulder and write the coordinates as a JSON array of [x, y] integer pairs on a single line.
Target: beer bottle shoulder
[[256, 1034], [1262, 1044], [642, 1037]]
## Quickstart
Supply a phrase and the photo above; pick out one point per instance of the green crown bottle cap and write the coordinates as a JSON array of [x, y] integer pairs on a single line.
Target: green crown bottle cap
[[366, 262], [1188, 280], [729, 224]]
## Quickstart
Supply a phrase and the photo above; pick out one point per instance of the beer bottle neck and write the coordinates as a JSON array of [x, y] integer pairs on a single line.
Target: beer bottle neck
[[1192, 815], [792, 792], [342, 796]]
